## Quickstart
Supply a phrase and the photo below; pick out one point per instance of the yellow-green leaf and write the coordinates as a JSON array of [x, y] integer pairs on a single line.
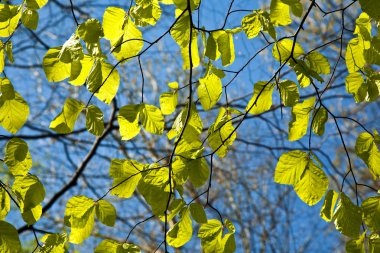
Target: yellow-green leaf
[[9, 240], [329, 205], [110, 246], [71, 50], [53, 243], [282, 50], [226, 46], [355, 85], [11, 15], [90, 31], [152, 119], [252, 25], [318, 62], [182, 231], [198, 213], [54, 69], [289, 92], [126, 175], [290, 167], [319, 120], [300, 119], [5, 203], [94, 120], [261, 100], [371, 7], [209, 90], [168, 102], [368, 151], [105, 212], [128, 119], [355, 55], [356, 245], [347, 217], [17, 157], [148, 14], [371, 212], [30, 18], [64, 122], [36, 4], [280, 13]]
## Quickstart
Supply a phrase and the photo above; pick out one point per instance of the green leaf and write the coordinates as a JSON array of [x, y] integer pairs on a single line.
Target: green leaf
[[209, 90], [11, 15], [90, 31], [36, 4], [210, 234], [221, 134], [126, 175], [30, 193], [182, 231], [182, 4], [318, 62], [368, 151], [110, 246], [289, 92], [374, 243], [355, 55], [54, 69], [355, 85], [371, 212], [300, 119], [72, 50], [9, 51], [9, 240], [175, 207], [297, 9], [212, 51], [356, 245], [54, 243], [252, 24], [105, 212], [363, 27], [2, 59], [319, 120], [280, 13], [148, 14], [5, 203], [17, 157], [305, 74], [14, 110], [347, 217], [168, 102], [29, 19], [94, 120], [371, 7], [328, 205], [372, 54], [79, 216], [103, 81], [291, 167], [152, 119], [198, 213], [261, 100], [154, 186], [126, 39], [128, 119], [313, 184], [195, 60], [196, 170], [64, 122], [226, 46], [282, 50]]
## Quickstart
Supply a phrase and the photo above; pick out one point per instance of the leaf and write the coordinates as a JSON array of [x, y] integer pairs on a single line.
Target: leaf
[[182, 231], [371, 7], [185, 51], [363, 27], [110, 246], [304, 73], [175, 207], [372, 54], [282, 50], [14, 110], [11, 16], [126, 39], [319, 120], [53, 243], [2, 59], [152, 119], [280, 13], [374, 243], [128, 119], [64, 122], [355, 55], [198, 213], [347, 217], [94, 120], [328, 205], [252, 25], [30, 193], [225, 46], [79, 216], [289, 92], [126, 175], [318, 62], [5, 203], [212, 51], [291, 167], [105, 212], [183, 4], [196, 170], [17, 157], [356, 245], [355, 85], [221, 134], [36, 4], [209, 90], [313, 184], [300, 119], [54, 69], [145, 15], [71, 50], [210, 234], [29, 19], [368, 151], [371, 212], [8, 51], [168, 102], [9, 240], [105, 83], [261, 100], [90, 31]]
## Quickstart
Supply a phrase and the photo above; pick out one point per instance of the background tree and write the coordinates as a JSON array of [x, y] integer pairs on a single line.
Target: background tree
[[260, 93]]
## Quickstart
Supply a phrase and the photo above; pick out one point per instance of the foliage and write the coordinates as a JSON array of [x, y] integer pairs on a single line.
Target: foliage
[[82, 61]]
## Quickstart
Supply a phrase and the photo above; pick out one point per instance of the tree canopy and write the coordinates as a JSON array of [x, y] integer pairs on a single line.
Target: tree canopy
[[162, 118]]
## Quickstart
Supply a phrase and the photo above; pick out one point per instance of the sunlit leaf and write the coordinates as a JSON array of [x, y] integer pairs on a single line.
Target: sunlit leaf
[[105, 212], [17, 157], [347, 217], [64, 122], [261, 100], [300, 119], [9, 240], [126, 175], [329, 205]]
